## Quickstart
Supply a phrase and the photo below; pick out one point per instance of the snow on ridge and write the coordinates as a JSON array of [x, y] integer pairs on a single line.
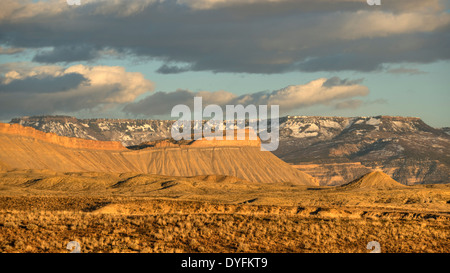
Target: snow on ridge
[[373, 121], [330, 124]]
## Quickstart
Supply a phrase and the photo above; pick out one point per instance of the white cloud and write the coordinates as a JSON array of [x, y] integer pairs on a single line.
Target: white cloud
[[128, 85], [363, 23], [28, 90], [313, 93]]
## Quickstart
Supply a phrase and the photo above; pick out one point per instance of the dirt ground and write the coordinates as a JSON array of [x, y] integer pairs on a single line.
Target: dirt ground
[[40, 212]]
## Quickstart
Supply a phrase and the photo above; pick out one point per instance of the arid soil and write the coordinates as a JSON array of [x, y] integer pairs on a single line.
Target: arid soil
[[42, 211], [206, 198]]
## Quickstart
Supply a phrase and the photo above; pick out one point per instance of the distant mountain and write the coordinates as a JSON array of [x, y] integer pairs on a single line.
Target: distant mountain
[[407, 149], [128, 132], [335, 150]]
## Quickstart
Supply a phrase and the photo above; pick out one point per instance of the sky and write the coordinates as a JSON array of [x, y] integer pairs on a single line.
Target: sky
[[139, 58]]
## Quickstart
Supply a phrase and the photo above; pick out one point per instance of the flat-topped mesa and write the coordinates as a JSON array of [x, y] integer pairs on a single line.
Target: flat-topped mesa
[[242, 138], [399, 118], [69, 142], [25, 148], [44, 119]]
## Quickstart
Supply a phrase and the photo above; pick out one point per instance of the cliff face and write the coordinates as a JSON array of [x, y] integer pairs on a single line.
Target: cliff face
[[77, 143], [27, 148], [248, 139], [128, 132], [4, 167]]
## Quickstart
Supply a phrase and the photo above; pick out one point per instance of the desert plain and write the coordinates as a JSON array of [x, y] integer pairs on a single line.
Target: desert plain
[[43, 212], [51, 194]]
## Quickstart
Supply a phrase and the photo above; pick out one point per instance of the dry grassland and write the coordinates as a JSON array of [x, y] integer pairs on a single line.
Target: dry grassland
[[41, 212]]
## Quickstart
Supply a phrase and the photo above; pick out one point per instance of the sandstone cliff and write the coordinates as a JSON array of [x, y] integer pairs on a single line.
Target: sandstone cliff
[[69, 142]]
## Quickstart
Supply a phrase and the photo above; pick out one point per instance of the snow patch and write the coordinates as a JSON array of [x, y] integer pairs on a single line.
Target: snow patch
[[305, 134], [373, 121], [402, 125], [312, 128], [330, 124]]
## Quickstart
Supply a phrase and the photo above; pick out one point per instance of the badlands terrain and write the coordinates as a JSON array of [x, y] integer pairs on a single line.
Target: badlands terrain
[[201, 197]]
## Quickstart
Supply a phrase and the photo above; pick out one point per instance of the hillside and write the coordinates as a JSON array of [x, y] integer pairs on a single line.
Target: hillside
[[29, 149], [374, 180]]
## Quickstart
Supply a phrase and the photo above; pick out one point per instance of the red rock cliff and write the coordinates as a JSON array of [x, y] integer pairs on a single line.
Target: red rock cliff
[[69, 142]]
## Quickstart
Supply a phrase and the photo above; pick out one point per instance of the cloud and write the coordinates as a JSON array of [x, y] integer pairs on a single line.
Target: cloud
[[70, 53], [10, 51], [212, 4], [35, 90], [403, 70], [356, 103], [336, 81], [46, 84], [313, 5], [172, 69], [349, 104], [161, 103], [248, 36], [317, 92]]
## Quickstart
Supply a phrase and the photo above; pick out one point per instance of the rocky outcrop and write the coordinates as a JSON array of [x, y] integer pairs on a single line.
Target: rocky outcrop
[[334, 174]]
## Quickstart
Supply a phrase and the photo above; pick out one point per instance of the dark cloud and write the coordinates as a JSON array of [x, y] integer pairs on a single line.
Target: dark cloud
[[403, 70], [10, 51], [45, 84], [238, 36], [172, 69], [336, 81], [70, 53], [160, 103]]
